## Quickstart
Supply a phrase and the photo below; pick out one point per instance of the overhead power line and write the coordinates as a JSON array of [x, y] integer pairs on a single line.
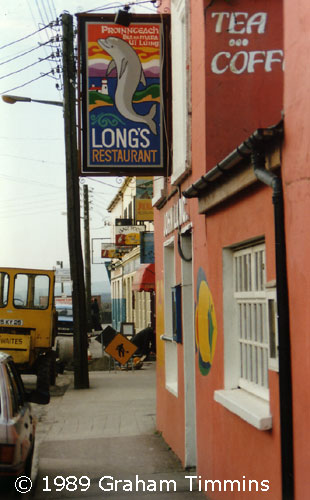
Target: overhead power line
[[25, 67], [24, 53], [25, 37], [102, 182], [30, 81], [25, 180], [47, 162]]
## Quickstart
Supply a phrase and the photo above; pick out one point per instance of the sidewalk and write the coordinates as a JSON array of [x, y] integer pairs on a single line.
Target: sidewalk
[[107, 430]]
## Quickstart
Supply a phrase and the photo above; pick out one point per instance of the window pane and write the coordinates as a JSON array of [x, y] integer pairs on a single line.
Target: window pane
[[4, 289], [249, 274], [41, 288], [21, 290], [272, 329]]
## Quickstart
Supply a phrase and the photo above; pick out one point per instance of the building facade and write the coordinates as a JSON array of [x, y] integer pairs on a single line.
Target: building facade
[[296, 198], [132, 273], [221, 383]]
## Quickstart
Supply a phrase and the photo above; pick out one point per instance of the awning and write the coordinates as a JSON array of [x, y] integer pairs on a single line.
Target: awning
[[144, 279]]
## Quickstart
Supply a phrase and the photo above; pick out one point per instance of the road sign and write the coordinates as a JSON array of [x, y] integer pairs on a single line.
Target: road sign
[[121, 349], [62, 275]]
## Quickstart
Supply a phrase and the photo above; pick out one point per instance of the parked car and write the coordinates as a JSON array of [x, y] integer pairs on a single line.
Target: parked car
[[64, 319], [17, 424]]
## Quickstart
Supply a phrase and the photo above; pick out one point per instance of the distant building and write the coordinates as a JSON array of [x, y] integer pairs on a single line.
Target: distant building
[[132, 294]]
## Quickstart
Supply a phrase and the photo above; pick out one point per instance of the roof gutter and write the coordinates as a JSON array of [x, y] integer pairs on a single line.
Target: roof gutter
[[260, 136]]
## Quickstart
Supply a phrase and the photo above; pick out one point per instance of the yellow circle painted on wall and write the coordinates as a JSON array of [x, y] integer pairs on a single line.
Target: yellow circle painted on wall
[[205, 324]]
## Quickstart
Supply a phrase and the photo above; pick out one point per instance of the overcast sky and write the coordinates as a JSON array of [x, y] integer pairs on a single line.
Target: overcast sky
[[33, 223]]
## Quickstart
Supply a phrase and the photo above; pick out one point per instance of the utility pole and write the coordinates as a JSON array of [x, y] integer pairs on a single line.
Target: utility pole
[[87, 256], [80, 341]]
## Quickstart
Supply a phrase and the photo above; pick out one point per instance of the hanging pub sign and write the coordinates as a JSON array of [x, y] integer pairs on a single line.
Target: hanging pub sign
[[128, 235], [111, 251], [143, 199], [124, 95]]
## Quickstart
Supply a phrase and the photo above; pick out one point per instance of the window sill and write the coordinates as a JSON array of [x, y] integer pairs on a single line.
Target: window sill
[[178, 176], [173, 388], [250, 408], [167, 338]]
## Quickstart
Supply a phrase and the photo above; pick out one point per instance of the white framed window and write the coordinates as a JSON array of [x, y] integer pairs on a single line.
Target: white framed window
[[249, 327], [180, 81], [250, 297]]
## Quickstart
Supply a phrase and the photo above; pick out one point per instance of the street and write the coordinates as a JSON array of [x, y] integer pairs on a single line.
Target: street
[[102, 441]]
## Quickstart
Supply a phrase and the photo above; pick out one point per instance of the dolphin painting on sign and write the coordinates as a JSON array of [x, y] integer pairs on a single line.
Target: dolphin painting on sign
[[129, 75]]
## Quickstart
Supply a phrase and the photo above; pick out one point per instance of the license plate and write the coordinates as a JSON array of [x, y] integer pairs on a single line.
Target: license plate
[[11, 322]]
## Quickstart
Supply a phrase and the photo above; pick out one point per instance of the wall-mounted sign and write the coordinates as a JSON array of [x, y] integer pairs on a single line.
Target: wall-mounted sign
[[175, 216], [123, 95], [147, 254], [111, 251], [244, 41], [128, 235]]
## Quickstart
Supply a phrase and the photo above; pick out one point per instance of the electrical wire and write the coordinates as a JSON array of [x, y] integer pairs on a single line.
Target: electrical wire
[[33, 200], [129, 4], [47, 162], [27, 83], [102, 182], [25, 180], [23, 69], [52, 24], [53, 14], [23, 54], [44, 8], [30, 139], [33, 208], [23, 38], [38, 212]]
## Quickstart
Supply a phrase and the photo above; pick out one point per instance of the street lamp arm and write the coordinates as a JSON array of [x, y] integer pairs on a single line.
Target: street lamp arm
[[12, 99]]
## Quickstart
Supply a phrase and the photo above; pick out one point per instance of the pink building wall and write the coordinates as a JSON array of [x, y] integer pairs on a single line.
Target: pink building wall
[[228, 447], [226, 108], [296, 155]]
